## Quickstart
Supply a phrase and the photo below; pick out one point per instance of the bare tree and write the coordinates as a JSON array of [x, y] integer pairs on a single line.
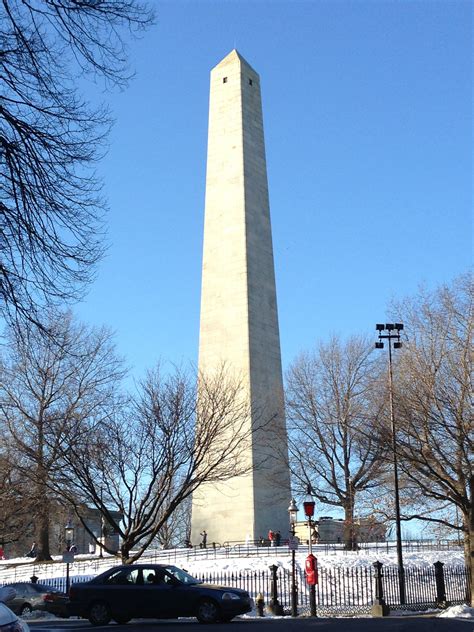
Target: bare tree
[[435, 433], [175, 532], [51, 209], [331, 402], [147, 462], [16, 509], [50, 386]]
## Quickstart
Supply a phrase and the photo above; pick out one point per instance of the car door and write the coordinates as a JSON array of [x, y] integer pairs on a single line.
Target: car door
[[159, 594], [122, 591]]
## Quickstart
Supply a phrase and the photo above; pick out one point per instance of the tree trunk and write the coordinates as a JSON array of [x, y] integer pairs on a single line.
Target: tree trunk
[[42, 528], [42, 533], [350, 536], [125, 552], [469, 540]]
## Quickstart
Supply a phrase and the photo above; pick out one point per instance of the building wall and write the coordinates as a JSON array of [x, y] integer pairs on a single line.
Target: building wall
[[58, 520], [331, 530]]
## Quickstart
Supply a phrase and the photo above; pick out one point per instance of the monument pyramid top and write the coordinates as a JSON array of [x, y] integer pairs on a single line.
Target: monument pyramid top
[[232, 58]]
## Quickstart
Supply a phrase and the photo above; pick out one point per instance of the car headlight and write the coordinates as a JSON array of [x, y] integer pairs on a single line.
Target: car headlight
[[228, 596]]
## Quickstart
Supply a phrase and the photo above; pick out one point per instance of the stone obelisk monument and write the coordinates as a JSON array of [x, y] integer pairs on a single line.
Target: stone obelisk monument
[[239, 320]]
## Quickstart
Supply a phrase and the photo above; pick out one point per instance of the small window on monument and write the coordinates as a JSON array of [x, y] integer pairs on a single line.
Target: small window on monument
[[224, 80], [250, 82]]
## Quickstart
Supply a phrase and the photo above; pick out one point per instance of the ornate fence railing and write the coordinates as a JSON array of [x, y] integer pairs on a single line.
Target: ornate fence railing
[[343, 590], [352, 589]]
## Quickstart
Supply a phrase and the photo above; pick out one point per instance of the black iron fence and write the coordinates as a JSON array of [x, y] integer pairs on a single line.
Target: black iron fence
[[342, 590], [352, 590]]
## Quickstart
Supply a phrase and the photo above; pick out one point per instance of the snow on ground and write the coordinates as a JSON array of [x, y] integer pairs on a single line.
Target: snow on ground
[[207, 563], [345, 560], [458, 612]]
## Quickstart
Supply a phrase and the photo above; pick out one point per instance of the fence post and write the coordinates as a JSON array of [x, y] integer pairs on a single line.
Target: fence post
[[274, 604], [440, 585], [260, 604], [379, 607]]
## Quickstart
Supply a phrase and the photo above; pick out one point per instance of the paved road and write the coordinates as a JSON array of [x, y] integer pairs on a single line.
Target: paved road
[[387, 624]]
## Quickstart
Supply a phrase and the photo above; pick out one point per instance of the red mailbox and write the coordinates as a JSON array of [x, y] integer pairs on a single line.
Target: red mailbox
[[311, 568]]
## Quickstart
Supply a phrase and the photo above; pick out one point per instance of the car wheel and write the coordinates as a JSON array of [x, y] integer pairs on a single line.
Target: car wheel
[[122, 620], [99, 613], [26, 609], [208, 612]]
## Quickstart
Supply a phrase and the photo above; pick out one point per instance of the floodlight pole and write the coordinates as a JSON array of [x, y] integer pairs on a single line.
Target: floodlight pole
[[393, 333]]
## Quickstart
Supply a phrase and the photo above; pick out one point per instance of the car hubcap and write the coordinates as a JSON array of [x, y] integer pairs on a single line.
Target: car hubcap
[[99, 612], [208, 611]]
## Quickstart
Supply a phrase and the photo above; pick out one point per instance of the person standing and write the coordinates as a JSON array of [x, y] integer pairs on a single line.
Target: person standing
[[33, 551], [271, 537], [204, 539]]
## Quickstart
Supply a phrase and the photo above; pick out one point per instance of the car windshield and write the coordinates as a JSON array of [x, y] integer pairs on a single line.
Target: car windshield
[[182, 576]]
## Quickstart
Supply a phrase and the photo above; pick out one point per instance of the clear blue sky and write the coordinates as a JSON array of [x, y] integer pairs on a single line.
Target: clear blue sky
[[368, 126]]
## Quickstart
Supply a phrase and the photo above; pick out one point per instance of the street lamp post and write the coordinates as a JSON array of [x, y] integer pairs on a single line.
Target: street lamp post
[[69, 534], [102, 525], [293, 511], [69, 537], [309, 505], [393, 334]]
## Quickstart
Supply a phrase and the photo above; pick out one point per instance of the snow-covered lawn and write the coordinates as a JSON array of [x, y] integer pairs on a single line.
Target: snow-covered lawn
[[207, 563]]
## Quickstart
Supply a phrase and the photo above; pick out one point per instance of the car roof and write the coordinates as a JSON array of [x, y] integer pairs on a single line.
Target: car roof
[[116, 568]]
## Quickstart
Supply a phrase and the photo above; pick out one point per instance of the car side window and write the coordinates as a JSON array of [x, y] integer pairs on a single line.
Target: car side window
[[153, 576], [135, 576], [120, 577]]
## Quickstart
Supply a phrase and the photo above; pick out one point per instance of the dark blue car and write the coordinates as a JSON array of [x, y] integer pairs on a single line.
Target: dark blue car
[[154, 591]]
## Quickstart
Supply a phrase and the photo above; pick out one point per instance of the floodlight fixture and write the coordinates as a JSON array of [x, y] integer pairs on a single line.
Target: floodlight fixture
[[399, 326], [379, 326], [397, 345], [379, 345], [389, 326]]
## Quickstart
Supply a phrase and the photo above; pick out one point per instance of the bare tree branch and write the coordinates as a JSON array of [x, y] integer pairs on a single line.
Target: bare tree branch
[[51, 209]]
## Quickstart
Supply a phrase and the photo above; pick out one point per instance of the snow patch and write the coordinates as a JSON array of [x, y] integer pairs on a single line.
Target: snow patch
[[458, 612]]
